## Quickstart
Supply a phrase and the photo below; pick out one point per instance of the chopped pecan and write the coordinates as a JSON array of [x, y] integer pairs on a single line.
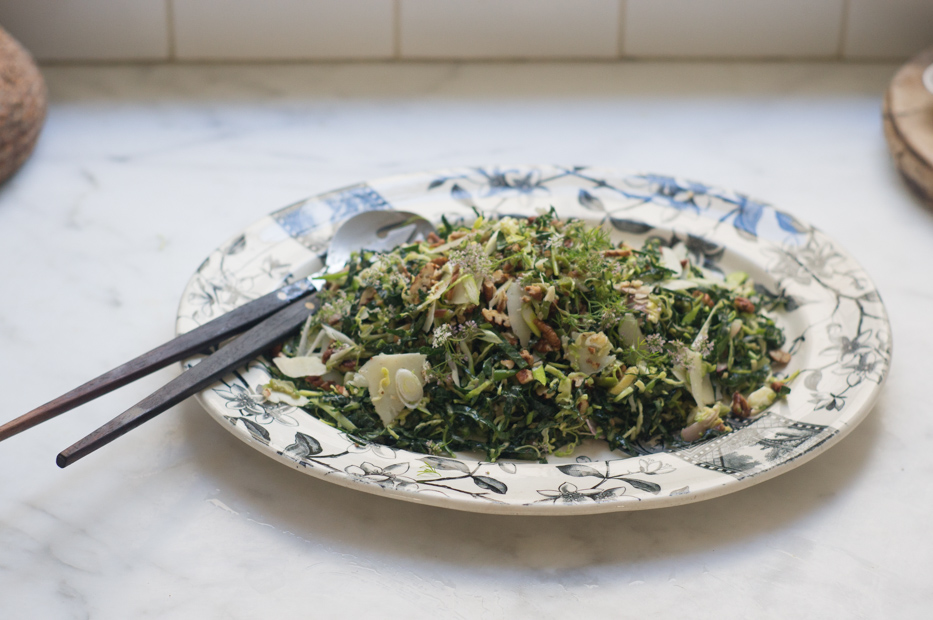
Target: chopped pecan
[[740, 407], [619, 252], [327, 353], [550, 341], [489, 289], [440, 261], [341, 390], [457, 234], [523, 376], [433, 238], [535, 292], [348, 365], [367, 295], [779, 356], [527, 357], [510, 338], [743, 305], [498, 277], [424, 276], [494, 316], [777, 386], [508, 364]]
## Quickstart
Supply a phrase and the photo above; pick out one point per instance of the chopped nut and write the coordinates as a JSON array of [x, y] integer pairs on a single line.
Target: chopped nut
[[498, 277], [433, 238], [367, 296], [523, 376], [550, 341], [527, 357], [440, 261], [494, 316], [708, 300], [510, 338], [348, 365], [458, 234], [779, 356], [535, 292], [341, 390], [620, 252], [582, 406], [776, 386], [508, 364], [740, 407], [424, 276], [743, 305], [489, 289]]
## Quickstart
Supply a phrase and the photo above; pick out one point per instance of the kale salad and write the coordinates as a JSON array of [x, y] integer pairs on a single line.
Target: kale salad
[[520, 338]]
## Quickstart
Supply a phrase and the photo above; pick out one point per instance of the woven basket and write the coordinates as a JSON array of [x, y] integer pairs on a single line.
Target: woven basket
[[22, 105]]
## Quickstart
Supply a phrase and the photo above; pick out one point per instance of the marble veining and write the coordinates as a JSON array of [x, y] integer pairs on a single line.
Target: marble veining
[[142, 170]]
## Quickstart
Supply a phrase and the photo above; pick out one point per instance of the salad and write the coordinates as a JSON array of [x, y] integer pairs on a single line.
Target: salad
[[520, 338]]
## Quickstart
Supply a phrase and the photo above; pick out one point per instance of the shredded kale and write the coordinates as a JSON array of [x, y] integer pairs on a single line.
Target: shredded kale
[[536, 334]]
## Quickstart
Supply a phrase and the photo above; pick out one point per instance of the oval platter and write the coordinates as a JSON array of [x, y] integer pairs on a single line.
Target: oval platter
[[836, 326]]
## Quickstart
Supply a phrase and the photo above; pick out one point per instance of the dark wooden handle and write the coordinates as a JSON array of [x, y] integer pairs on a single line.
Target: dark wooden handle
[[229, 357], [195, 341]]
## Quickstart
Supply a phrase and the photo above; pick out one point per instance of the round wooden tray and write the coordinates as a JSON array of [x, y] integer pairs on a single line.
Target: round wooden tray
[[908, 123]]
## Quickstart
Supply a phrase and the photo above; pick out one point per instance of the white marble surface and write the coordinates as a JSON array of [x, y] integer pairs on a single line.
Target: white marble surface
[[141, 171]]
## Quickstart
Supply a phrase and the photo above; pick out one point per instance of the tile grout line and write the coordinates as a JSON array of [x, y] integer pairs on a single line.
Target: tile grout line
[[843, 30], [397, 29], [170, 28], [620, 24]]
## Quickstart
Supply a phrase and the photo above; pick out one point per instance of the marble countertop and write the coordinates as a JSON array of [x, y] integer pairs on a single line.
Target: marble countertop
[[141, 171]]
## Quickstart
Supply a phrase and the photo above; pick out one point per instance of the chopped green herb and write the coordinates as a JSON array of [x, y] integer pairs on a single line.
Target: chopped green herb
[[519, 338]]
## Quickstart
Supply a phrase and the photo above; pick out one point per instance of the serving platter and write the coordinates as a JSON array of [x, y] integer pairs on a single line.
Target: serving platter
[[836, 326]]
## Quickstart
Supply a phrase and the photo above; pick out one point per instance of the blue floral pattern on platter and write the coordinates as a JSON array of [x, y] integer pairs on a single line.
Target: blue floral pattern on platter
[[837, 326]]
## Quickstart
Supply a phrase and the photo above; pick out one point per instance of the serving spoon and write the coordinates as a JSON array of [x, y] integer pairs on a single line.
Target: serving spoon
[[265, 321]]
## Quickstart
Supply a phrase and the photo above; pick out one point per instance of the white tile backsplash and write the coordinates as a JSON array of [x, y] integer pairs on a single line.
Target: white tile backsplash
[[888, 29], [283, 29], [477, 29], [89, 29], [732, 28], [233, 30]]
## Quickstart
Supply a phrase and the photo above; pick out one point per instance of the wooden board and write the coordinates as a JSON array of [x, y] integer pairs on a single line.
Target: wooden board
[[908, 124]]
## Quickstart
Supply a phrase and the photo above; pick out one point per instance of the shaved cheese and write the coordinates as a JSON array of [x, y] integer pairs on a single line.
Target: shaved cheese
[[305, 366], [514, 307], [691, 373], [382, 375]]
